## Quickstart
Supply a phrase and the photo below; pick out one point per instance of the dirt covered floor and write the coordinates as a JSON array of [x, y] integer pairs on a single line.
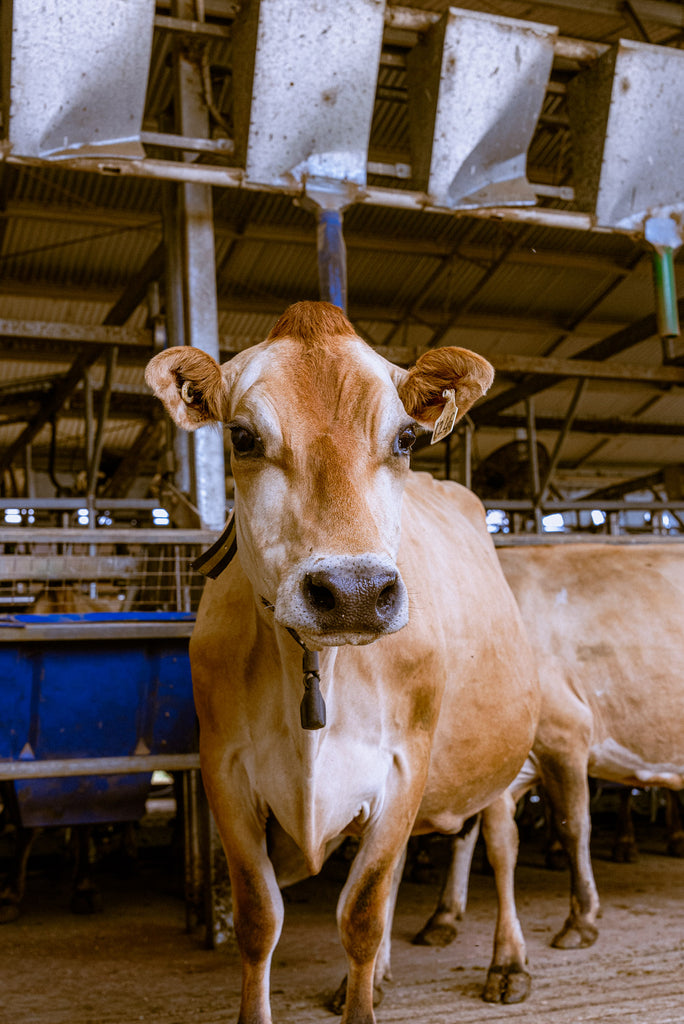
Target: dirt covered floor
[[135, 961]]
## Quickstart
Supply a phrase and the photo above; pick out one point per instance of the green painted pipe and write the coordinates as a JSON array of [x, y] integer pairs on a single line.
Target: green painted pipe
[[666, 292]]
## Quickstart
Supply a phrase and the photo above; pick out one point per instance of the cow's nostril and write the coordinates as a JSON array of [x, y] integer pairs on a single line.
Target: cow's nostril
[[386, 597], [320, 598]]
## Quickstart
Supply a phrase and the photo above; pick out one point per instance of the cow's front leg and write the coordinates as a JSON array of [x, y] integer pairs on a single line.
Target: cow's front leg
[[566, 783], [364, 914], [507, 979], [441, 929], [257, 903], [383, 966]]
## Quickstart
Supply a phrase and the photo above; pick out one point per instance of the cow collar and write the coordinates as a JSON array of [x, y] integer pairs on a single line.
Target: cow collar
[[312, 708], [211, 563]]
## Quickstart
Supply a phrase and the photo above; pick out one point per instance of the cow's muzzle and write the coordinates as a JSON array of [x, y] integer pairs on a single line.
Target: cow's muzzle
[[345, 600]]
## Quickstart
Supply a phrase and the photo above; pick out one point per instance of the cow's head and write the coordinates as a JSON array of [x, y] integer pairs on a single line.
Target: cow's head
[[322, 427]]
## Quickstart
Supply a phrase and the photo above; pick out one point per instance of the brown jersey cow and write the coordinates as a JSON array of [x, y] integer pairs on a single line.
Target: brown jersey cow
[[391, 579], [605, 621]]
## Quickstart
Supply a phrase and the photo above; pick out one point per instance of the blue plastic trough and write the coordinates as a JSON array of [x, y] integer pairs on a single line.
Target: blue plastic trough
[[93, 686]]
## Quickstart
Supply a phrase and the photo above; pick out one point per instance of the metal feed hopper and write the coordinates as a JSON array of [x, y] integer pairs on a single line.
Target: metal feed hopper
[[63, 65], [305, 77], [627, 118], [476, 88]]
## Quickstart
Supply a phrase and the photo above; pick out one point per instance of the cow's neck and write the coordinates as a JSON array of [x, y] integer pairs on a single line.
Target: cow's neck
[[312, 707]]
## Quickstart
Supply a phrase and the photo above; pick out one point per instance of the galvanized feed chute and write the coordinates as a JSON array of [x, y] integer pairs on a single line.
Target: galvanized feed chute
[[305, 79], [476, 88], [627, 119], [76, 79]]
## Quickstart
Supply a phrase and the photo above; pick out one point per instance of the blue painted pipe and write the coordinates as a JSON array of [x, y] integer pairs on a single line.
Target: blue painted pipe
[[332, 258]]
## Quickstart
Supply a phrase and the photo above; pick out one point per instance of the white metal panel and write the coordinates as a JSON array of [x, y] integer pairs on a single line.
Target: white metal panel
[[305, 77], [477, 88], [78, 76]]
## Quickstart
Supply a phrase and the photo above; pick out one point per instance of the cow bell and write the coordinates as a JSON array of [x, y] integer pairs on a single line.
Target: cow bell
[[312, 708]]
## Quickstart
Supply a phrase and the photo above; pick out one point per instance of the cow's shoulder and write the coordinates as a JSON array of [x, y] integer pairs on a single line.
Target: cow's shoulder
[[425, 492]]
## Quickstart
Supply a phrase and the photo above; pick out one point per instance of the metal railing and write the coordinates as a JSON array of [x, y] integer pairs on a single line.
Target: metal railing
[[47, 571]]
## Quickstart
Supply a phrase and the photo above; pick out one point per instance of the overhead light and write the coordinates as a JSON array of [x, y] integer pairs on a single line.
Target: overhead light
[[553, 523], [160, 517], [598, 517], [497, 520]]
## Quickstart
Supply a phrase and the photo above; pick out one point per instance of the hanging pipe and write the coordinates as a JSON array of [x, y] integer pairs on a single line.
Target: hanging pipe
[[327, 199], [665, 235], [665, 292], [332, 257]]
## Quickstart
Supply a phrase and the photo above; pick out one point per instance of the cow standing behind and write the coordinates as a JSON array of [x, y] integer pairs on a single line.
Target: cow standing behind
[[431, 692], [605, 622]]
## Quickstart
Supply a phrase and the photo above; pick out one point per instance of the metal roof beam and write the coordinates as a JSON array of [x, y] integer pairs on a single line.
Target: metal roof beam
[[615, 343], [286, 235], [142, 407], [39, 337], [609, 427], [506, 363], [659, 11], [122, 309]]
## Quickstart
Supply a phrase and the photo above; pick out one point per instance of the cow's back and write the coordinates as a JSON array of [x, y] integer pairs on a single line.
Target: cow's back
[[605, 622]]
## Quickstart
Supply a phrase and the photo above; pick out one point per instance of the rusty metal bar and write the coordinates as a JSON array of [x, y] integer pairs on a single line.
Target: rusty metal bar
[[94, 462], [235, 177], [560, 441], [514, 540], [534, 461], [97, 766]]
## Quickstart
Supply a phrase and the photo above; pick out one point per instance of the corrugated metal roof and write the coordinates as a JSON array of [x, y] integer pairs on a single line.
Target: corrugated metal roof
[[72, 242]]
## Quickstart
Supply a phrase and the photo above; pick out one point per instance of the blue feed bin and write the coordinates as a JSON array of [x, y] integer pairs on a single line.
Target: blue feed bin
[[99, 685]]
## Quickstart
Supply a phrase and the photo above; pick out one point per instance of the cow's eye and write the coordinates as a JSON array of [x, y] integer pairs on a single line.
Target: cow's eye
[[405, 441], [244, 441]]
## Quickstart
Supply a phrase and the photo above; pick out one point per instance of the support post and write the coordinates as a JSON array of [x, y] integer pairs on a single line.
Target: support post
[[199, 276], [467, 473], [534, 461], [540, 497]]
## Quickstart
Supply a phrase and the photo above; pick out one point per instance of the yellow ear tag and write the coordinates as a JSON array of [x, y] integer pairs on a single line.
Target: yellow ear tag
[[447, 419]]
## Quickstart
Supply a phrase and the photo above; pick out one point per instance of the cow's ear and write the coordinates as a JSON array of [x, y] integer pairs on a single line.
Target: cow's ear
[[423, 388], [190, 384]]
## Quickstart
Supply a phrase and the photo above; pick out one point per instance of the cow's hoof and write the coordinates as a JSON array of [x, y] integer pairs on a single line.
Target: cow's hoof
[[336, 1003], [9, 911], [507, 985], [675, 846], [86, 901], [435, 935], [575, 936], [625, 851]]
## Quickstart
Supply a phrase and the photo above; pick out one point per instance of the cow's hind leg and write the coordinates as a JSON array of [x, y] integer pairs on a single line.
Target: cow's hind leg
[[568, 788], [86, 897], [440, 930], [625, 850], [507, 979], [12, 892], [675, 827]]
